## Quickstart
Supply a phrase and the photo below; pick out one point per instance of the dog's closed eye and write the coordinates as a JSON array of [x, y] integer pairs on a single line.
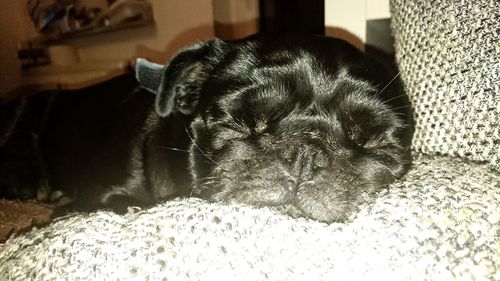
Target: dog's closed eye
[[224, 133]]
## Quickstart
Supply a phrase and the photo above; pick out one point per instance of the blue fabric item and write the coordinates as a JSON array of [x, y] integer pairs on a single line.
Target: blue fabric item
[[148, 74]]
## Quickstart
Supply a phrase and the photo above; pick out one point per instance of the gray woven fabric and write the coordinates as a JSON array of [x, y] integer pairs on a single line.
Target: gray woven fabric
[[448, 55], [439, 223]]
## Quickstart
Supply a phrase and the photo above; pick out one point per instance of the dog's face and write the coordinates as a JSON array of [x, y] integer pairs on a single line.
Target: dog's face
[[306, 125]]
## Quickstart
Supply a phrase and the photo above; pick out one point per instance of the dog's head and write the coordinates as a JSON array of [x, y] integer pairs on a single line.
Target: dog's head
[[300, 123]]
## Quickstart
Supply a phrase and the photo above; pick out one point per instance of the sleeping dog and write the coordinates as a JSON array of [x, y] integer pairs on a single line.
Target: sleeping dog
[[304, 124]]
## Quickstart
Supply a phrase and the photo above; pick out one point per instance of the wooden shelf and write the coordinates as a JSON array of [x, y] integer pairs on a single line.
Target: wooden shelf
[[90, 31], [72, 77]]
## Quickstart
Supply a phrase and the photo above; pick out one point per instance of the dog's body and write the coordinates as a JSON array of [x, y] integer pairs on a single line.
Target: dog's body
[[73, 146], [302, 123]]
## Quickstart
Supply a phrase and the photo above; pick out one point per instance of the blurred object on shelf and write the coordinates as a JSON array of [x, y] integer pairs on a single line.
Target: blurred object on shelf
[[32, 54], [45, 12], [64, 15], [124, 10], [58, 19]]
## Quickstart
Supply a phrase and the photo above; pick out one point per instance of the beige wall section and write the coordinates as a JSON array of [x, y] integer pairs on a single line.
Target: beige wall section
[[14, 26], [233, 11], [347, 19], [235, 19], [178, 22]]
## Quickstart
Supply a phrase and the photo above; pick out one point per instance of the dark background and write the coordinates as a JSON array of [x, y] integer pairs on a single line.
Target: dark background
[[292, 16]]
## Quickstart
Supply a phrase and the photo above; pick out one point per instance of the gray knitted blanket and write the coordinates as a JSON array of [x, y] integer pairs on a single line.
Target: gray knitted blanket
[[441, 222]]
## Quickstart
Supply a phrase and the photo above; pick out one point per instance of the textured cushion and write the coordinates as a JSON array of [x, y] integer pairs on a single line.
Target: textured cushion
[[448, 56], [441, 222]]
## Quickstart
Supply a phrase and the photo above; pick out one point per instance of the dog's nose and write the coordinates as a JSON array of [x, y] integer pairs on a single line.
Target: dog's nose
[[303, 162]]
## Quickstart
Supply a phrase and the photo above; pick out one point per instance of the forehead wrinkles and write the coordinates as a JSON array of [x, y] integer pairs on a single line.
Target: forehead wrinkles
[[281, 84], [323, 127], [341, 90], [259, 102], [311, 78], [316, 73], [325, 78], [347, 84]]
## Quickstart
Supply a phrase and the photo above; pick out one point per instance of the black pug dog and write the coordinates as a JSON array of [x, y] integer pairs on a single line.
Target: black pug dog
[[304, 124]]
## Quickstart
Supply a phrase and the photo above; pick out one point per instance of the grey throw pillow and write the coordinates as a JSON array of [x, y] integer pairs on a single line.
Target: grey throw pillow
[[448, 55]]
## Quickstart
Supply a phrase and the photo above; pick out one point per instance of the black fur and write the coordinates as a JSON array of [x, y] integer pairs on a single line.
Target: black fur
[[302, 123]]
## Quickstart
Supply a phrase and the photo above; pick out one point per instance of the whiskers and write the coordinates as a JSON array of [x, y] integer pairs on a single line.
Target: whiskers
[[393, 98], [187, 150], [208, 183], [172, 148], [401, 107], [386, 102], [205, 184], [199, 148], [388, 84]]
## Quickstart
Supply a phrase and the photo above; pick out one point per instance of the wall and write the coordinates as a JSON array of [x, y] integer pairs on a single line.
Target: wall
[[348, 19], [235, 19], [14, 26], [178, 22]]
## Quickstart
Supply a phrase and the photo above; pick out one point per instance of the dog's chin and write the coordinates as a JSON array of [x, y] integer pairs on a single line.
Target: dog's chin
[[334, 198], [307, 205]]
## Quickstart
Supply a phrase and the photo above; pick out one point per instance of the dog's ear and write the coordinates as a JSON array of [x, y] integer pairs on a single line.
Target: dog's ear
[[178, 84], [148, 74]]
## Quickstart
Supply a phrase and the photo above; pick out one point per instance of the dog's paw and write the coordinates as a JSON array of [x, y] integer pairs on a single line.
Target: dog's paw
[[59, 199]]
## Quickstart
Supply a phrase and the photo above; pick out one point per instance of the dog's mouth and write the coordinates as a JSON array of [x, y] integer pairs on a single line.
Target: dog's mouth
[[276, 199], [288, 207], [317, 201], [280, 201]]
